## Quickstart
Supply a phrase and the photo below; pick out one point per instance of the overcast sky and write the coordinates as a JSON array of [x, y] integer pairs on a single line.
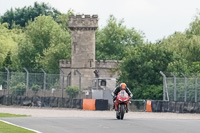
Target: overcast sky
[[156, 18]]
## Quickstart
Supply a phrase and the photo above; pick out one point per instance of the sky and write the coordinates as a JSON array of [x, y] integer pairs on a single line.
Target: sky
[[155, 18]]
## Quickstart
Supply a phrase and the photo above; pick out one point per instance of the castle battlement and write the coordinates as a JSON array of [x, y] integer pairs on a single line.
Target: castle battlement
[[99, 64], [107, 64], [64, 63], [83, 22]]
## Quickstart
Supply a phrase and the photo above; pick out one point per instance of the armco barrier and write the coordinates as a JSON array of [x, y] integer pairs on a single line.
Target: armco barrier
[[86, 104]]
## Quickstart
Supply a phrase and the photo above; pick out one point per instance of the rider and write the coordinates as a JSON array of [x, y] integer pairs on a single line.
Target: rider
[[115, 92]]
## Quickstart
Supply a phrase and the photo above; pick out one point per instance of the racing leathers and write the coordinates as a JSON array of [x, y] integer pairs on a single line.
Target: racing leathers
[[118, 89]]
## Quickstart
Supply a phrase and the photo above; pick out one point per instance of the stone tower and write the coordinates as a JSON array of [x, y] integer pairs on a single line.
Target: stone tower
[[83, 63], [83, 40], [83, 48]]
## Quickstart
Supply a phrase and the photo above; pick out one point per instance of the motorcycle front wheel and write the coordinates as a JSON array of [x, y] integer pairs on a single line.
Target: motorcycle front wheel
[[122, 111]]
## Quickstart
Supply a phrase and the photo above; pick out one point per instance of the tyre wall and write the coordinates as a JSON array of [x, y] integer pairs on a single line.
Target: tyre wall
[[86, 104], [175, 107]]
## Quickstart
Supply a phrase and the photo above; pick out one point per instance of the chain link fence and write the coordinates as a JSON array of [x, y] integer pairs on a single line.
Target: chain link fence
[[181, 89], [31, 84]]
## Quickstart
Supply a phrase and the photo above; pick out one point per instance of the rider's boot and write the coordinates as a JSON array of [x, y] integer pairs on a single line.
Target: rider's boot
[[126, 108]]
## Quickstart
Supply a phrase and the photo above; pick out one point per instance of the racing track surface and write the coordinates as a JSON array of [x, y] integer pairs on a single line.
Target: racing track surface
[[58, 120], [106, 125]]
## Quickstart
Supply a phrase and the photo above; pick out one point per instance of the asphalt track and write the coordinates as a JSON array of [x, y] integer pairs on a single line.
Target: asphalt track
[[106, 125]]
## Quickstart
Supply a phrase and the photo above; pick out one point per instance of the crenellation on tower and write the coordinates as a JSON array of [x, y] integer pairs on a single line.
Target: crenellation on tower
[[83, 22], [65, 64], [107, 64]]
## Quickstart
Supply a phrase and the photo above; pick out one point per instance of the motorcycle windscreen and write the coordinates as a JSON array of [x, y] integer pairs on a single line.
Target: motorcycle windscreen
[[123, 93]]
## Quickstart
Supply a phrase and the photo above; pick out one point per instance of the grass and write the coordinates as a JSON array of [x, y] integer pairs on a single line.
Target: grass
[[7, 128], [11, 115]]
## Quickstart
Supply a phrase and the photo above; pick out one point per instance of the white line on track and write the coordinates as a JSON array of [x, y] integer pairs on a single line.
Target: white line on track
[[20, 126]]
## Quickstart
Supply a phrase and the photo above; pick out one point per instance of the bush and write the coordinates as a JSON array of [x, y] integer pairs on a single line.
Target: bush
[[35, 88], [19, 89], [72, 91]]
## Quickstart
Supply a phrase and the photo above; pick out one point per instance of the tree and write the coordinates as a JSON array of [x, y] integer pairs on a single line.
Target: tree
[[52, 55], [9, 46], [63, 19], [45, 41], [140, 69], [185, 47], [7, 62], [113, 38], [21, 16]]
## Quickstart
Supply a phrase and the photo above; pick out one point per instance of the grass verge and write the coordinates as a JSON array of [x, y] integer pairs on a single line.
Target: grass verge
[[11, 115], [7, 128]]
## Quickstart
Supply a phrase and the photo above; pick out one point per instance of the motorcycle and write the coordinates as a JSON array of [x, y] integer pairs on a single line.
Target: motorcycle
[[121, 104]]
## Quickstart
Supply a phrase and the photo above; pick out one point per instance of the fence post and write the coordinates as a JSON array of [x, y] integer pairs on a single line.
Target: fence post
[[196, 83], [164, 87], [97, 83], [27, 80], [79, 79], [185, 87], [62, 84], [44, 81], [8, 79], [174, 86]]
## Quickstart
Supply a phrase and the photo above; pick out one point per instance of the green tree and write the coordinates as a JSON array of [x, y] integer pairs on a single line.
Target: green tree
[[140, 69], [63, 19], [7, 62], [21, 16], [9, 46], [45, 41], [185, 47], [113, 38]]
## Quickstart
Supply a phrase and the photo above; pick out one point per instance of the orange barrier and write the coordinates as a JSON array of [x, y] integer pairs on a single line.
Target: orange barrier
[[89, 104], [148, 106]]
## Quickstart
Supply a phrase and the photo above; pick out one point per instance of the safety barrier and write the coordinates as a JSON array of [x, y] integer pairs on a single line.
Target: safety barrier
[[148, 106], [176, 107], [85, 104], [97, 104]]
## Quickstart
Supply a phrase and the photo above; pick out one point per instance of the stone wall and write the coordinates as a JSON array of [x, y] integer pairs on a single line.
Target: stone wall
[[105, 69]]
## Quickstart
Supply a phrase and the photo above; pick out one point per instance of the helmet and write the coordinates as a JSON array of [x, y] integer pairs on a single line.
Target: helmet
[[123, 86]]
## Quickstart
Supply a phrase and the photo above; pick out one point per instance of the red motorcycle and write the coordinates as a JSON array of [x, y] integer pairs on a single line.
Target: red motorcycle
[[121, 104]]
